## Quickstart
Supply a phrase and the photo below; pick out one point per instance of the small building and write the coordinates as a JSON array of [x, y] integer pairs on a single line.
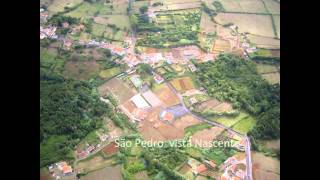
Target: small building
[[90, 149], [139, 114], [193, 100], [103, 137], [208, 57], [65, 25], [136, 81], [67, 44], [152, 99], [166, 116], [192, 67], [67, 170], [140, 102], [201, 169], [158, 79], [210, 164]]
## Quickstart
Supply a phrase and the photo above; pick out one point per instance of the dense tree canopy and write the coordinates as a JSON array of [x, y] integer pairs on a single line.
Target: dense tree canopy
[[69, 110], [233, 79]]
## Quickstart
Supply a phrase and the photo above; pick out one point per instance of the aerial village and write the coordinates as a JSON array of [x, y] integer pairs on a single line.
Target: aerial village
[[164, 103]]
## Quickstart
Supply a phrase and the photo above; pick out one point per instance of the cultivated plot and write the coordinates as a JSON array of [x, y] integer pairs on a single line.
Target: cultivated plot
[[250, 23]]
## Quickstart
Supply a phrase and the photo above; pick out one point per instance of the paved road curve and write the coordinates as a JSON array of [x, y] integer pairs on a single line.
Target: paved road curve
[[247, 146]]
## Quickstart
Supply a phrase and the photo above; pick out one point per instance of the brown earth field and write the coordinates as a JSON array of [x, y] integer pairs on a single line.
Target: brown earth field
[[111, 172], [142, 175], [152, 128], [165, 94], [111, 149], [81, 70], [118, 89], [184, 169], [93, 163], [185, 121], [208, 104], [265, 168], [204, 137]]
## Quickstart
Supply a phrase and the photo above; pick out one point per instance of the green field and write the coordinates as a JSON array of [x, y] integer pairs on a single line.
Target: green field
[[108, 73], [228, 121], [198, 127], [89, 10], [245, 125]]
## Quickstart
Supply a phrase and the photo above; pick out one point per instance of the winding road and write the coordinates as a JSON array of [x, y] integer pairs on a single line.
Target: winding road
[[247, 140]]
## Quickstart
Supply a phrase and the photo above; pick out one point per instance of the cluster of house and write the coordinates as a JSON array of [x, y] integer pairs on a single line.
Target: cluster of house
[[240, 141], [48, 32], [90, 148], [234, 169], [60, 169], [201, 168], [43, 16], [247, 48]]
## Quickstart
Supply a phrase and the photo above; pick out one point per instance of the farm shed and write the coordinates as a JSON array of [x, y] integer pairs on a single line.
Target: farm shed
[[140, 102], [152, 99]]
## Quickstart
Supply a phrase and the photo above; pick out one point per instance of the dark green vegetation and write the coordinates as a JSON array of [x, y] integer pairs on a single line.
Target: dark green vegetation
[[161, 161], [168, 30], [233, 79], [119, 119], [69, 109], [219, 155], [68, 112]]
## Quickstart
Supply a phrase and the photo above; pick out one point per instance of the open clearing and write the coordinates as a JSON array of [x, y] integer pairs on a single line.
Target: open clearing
[[206, 24], [244, 6], [244, 125], [154, 129], [272, 144], [185, 121], [118, 89], [215, 105], [81, 70], [108, 73], [229, 121], [276, 19], [272, 78], [165, 94], [59, 5], [111, 149], [264, 42], [205, 137], [272, 6], [170, 5], [265, 168], [221, 45], [182, 84], [111, 172], [266, 68], [94, 163], [142, 175], [251, 23]]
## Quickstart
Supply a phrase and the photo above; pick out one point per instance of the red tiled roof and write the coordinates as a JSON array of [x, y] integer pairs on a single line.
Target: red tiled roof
[[167, 116], [66, 169], [201, 168]]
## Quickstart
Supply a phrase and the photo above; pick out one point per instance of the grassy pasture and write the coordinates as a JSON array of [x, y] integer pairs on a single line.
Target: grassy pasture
[[272, 78], [108, 73], [264, 42], [245, 125], [228, 121], [254, 24], [272, 6], [82, 70], [59, 5], [90, 10], [276, 20], [266, 68], [243, 6]]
